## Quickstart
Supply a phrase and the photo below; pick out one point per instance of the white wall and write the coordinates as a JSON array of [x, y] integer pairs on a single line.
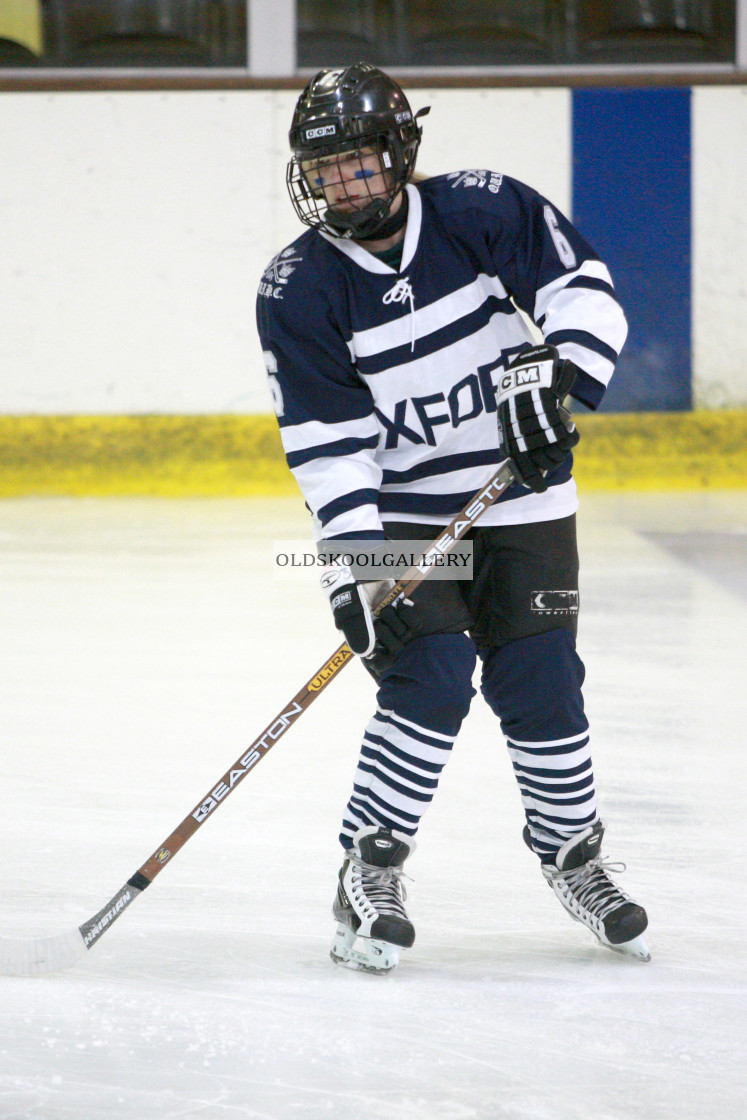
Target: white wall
[[134, 224], [719, 122], [135, 227]]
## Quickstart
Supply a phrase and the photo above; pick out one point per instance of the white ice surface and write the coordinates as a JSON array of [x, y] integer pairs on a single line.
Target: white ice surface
[[145, 644]]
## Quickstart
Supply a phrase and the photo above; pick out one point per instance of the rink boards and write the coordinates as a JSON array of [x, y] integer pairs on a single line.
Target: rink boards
[[130, 356], [236, 456]]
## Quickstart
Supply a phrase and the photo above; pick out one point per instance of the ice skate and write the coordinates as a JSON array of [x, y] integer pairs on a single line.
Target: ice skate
[[372, 925], [580, 878]]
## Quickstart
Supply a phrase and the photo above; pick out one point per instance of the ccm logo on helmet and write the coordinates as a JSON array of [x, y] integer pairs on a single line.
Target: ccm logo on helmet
[[324, 130]]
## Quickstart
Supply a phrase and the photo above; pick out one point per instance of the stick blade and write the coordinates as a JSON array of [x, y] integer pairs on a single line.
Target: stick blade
[[40, 955]]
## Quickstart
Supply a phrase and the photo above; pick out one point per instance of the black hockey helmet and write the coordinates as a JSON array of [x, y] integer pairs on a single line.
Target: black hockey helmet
[[341, 112]]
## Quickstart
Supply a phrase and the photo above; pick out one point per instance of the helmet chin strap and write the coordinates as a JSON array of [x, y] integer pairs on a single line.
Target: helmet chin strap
[[373, 222]]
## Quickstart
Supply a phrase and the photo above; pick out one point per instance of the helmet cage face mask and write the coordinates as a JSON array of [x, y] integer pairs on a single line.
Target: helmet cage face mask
[[345, 115], [346, 170]]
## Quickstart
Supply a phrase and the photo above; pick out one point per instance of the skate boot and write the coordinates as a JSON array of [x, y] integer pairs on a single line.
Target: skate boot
[[372, 925], [580, 878]]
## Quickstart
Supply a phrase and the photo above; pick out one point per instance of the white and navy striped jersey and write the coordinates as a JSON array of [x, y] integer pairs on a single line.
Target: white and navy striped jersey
[[384, 380]]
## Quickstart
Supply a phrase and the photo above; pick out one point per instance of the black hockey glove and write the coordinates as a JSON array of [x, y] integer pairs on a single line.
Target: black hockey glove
[[352, 605], [534, 428]]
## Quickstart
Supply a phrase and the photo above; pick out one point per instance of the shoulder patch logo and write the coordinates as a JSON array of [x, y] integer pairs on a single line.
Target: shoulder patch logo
[[278, 273], [474, 178]]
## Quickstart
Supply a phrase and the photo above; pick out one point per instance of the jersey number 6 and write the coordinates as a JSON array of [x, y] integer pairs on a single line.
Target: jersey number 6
[[271, 366]]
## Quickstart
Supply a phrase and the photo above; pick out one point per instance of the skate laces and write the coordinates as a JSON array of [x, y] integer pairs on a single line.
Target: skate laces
[[592, 887], [382, 886]]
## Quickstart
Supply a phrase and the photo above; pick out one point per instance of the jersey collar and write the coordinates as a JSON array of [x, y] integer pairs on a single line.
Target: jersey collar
[[371, 263]]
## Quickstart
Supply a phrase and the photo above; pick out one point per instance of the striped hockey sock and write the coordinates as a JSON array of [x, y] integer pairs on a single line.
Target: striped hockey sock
[[398, 771], [557, 788]]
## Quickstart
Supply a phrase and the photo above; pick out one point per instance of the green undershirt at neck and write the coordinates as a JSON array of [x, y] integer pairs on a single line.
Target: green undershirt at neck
[[391, 256]]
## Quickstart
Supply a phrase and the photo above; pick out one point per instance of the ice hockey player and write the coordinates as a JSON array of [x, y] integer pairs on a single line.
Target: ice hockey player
[[402, 373]]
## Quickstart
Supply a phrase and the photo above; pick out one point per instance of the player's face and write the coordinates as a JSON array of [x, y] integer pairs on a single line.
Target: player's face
[[348, 180]]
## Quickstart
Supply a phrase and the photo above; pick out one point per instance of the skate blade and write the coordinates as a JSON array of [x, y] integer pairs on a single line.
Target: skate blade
[[636, 948], [364, 954]]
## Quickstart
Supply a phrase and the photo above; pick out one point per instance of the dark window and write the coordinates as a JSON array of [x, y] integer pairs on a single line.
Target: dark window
[[480, 33], [331, 33], [651, 31], [143, 33], [445, 33]]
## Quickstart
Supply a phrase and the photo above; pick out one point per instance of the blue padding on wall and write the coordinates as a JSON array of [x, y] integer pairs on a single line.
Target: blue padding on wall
[[631, 200]]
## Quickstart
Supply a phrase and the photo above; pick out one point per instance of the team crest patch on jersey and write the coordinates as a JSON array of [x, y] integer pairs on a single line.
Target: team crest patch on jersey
[[278, 272], [474, 178]]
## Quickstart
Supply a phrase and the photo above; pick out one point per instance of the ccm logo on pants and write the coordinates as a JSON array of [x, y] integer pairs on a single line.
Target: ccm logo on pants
[[554, 602]]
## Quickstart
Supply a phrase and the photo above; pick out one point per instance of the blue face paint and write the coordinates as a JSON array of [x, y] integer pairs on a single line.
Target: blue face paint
[[361, 173]]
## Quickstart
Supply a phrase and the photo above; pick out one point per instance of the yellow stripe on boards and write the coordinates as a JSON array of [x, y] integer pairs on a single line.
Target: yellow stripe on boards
[[238, 456], [165, 456], [662, 450]]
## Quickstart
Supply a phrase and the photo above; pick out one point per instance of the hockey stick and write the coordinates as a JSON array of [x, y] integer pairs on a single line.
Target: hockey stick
[[36, 956]]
